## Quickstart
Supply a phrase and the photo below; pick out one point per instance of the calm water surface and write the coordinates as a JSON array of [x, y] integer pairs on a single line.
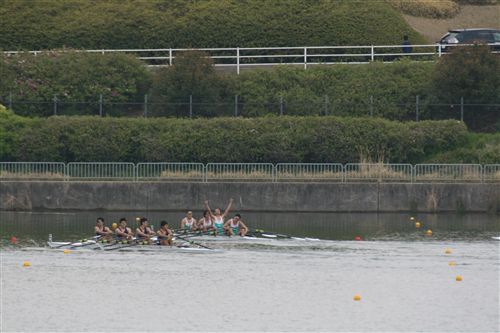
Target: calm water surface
[[403, 277]]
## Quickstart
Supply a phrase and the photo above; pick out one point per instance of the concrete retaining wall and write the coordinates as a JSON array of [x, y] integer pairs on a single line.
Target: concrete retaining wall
[[325, 197]]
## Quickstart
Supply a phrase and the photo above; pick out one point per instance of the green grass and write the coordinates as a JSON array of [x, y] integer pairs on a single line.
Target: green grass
[[85, 24], [479, 148]]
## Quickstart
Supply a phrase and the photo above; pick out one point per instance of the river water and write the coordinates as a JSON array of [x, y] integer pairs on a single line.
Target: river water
[[404, 277]]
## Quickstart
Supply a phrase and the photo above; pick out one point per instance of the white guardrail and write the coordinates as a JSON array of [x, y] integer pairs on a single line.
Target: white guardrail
[[242, 57], [250, 172]]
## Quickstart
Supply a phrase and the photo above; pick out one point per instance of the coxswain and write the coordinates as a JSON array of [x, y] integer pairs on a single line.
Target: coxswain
[[235, 226], [123, 232], [165, 235]]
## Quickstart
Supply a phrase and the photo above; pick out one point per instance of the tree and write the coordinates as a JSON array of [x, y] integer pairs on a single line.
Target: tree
[[192, 74], [471, 72]]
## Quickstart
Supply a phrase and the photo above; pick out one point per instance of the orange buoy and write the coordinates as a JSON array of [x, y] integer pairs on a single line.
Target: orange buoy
[[357, 297], [13, 240], [357, 238], [458, 278]]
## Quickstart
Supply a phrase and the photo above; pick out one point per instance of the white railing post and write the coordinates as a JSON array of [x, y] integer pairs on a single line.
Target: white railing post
[[373, 53], [238, 60], [439, 50], [305, 57], [170, 57]]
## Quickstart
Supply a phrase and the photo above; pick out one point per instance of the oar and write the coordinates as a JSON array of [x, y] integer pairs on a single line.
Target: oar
[[134, 241], [191, 242], [81, 242]]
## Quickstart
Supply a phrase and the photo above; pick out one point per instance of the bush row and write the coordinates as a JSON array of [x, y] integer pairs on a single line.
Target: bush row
[[268, 139], [108, 24], [385, 90]]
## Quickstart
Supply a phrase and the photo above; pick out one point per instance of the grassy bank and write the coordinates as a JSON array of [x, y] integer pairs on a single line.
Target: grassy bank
[[111, 24]]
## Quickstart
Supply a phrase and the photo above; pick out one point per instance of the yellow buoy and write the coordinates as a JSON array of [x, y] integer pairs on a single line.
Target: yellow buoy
[[447, 251], [417, 225], [114, 226], [458, 278], [428, 232], [357, 298], [137, 219], [451, 263], [66, 251], [412, 218], [26, 264]]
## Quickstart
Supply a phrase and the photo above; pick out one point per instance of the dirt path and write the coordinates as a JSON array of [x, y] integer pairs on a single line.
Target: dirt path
[[469, 17]]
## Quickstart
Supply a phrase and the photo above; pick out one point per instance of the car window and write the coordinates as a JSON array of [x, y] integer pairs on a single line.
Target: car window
[[485, 36], [496, 36]]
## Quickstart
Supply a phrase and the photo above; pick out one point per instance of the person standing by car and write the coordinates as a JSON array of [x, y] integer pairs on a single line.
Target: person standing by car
[[406, 45]]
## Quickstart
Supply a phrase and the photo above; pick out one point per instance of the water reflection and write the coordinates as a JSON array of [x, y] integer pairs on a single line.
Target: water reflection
[[31, 227]]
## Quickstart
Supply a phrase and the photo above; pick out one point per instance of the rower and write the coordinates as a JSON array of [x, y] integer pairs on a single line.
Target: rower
[[188, 223], [144, 232], [165, 235], [218, 217], [101, 231], [123, 232], [235, 226], [205, 224]]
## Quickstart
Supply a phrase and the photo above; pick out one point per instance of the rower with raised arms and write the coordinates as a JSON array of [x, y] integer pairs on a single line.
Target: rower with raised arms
[[102, 231], [144, 232], [189, 223], [217, 217], [123, 232], [235, 226], [165, 235]]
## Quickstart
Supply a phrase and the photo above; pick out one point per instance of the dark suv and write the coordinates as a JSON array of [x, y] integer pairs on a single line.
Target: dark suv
[[471, 36]]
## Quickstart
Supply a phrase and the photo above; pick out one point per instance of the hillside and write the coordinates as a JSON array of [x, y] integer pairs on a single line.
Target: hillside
[[85, 24], [468, 17]]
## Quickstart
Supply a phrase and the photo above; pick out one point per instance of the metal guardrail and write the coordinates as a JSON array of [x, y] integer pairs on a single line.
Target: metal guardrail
[[100, 171], [258, 172], [491, 173], [35, 170], [448, 172], [255, 172], [304, 172], [378, 172], [241, 57], [171, 171]]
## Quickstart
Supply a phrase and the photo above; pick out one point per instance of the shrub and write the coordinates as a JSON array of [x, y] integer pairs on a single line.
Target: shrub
[[73, 77], [471, 73], [270, 139], [191, 76], [337, 90], [108, 24]]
